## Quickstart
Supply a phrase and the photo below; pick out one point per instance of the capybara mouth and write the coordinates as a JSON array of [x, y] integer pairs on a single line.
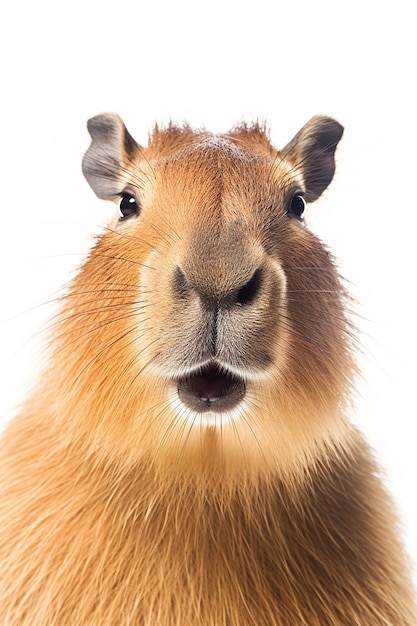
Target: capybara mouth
[[211, 389]]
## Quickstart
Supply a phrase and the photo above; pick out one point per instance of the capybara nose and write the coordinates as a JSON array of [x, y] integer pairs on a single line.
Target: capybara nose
[[240, 293]]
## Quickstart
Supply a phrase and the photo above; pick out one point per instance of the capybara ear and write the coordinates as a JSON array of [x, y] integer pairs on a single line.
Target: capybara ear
[[312, 152], [112, 148]]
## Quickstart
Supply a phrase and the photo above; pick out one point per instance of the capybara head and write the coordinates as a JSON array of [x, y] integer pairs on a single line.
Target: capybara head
[[207, 328]]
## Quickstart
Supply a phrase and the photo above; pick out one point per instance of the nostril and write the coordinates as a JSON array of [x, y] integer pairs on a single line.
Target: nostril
[[213, 298], [249, 292]]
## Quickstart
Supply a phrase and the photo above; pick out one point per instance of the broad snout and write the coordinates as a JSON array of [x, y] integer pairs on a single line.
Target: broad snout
[[227, 312], [221, 304]]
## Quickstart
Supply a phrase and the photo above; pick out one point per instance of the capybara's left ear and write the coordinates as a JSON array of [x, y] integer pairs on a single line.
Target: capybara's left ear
[[312, 152]]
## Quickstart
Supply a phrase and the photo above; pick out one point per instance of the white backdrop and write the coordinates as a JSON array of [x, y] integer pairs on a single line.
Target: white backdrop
[[216, 64]]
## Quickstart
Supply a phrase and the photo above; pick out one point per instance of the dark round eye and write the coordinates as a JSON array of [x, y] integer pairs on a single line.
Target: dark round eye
[[127, 206], [297, 206]]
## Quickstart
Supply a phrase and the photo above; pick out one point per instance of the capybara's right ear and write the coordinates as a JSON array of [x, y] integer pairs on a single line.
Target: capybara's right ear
[[110, 151]]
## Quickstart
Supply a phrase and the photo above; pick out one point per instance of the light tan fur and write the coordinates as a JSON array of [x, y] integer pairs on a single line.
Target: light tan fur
[[121, 505]]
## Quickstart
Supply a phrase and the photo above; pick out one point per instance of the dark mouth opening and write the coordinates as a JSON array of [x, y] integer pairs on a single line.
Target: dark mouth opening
[[211, 389]]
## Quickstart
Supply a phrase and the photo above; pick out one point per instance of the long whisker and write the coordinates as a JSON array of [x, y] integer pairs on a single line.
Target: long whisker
[[93, 327], [131, 236], [101, 352], [96, 254]]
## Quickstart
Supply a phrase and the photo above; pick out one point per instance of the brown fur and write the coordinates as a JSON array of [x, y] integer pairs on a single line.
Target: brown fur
[[117, 507]]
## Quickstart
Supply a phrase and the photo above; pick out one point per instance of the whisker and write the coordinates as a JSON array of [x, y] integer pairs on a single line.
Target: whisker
[[318, 344], [93, 330], [97, 356], [168, 238], [96, 254], [135, 358], [133, 307], [330, 320], [131, 236]]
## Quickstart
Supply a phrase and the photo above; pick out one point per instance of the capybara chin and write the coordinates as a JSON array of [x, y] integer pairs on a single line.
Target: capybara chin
[[186, 458]]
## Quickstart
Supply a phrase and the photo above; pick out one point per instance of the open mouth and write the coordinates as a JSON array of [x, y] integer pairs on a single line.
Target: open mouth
[[211, 389]]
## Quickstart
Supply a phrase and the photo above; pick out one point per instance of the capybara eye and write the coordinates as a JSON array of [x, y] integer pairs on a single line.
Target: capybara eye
[[127, 206], [297, 206]]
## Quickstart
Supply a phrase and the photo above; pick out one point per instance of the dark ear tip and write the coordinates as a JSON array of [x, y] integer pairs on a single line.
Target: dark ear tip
[[327, 130], [313, 149], [103, 124], [336, 129]]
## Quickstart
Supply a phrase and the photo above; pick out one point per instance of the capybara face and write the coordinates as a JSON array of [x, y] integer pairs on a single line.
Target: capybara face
[[224, 316]]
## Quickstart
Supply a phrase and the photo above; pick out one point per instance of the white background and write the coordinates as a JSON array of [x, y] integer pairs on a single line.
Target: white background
[[215, 64]]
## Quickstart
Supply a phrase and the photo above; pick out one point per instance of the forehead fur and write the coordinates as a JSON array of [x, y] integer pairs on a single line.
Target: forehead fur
[[167, 140]]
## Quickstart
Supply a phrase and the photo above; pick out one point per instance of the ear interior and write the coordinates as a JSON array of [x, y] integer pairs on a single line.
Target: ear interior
[[110, 151], [312, 151]]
